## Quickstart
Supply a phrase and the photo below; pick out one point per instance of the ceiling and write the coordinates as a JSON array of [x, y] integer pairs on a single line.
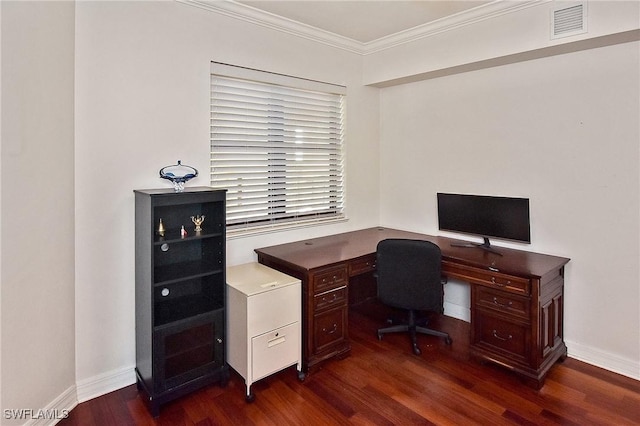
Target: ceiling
[[364, 21]]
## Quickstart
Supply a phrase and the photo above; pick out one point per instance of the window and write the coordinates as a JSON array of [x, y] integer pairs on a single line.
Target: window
[[277, 147]]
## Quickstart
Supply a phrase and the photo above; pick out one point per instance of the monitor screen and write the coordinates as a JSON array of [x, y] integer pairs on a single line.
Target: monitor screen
[[486, 216]]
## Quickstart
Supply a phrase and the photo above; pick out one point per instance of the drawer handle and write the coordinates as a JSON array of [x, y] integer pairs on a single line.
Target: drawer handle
[[499, 284], [333, 299], [504, 305], [276, 341], [493, 281], [335, 328], [504, 339], [333, 279]]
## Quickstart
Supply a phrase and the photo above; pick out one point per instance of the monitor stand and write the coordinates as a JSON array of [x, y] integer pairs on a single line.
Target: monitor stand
[[486, 245]]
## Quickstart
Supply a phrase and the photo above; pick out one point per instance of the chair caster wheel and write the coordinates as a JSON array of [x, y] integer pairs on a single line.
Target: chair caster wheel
[[379, 336], [250, 398], [416, 350], [448, 341], [301, 376]]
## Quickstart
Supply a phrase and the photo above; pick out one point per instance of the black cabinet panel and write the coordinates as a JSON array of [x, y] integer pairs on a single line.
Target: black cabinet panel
[[180, 299]]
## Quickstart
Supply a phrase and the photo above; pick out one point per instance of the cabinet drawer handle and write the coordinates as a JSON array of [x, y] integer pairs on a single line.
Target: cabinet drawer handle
[[335, 328], [504, 339], [276, 341], [333, 299], [493, 281], [332, 279], [499, 284], [504, 305]]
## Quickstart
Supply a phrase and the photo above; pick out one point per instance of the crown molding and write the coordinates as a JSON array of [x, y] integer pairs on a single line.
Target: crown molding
[[275, 22], [265, 19], [472, 16]]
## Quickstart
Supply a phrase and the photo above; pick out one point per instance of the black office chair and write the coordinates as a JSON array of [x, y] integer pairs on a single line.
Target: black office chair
[[409, 278]]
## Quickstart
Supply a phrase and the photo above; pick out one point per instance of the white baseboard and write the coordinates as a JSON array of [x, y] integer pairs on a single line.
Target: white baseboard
[[84, 390], [57, 410], [104, 383], [608, 361]]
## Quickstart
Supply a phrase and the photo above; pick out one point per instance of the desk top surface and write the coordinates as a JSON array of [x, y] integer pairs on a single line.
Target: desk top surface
[[319, 252]]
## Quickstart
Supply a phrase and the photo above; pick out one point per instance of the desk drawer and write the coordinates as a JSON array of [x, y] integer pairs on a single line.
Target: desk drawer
[[488, 278], [329, 329], [509, 339], [330, 298], [362, 265], [502, 301], [330, 278]]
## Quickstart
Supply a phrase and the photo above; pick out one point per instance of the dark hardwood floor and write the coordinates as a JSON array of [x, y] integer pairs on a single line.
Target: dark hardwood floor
[[383, 383]]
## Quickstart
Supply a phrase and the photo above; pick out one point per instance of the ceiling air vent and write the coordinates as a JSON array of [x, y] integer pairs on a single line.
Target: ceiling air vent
[[569, 20]]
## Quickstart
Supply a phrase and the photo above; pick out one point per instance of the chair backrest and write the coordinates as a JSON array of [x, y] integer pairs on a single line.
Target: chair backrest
[[409, 274]]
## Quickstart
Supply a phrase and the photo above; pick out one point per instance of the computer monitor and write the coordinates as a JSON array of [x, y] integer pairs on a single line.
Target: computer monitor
[[485, 216]]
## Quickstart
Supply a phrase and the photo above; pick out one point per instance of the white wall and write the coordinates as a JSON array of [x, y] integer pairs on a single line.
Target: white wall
[[562, 131], [37, 172], [142, 102]]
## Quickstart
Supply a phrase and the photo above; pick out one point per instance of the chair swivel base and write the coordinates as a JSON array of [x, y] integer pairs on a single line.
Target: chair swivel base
[[413, 330]]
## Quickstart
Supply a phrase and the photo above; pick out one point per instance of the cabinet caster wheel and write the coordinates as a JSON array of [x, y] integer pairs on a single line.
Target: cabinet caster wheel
[[250, 398], [448, 341], [301, 376]]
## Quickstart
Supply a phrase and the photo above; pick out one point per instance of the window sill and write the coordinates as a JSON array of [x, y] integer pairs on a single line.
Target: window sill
[[237, 233]]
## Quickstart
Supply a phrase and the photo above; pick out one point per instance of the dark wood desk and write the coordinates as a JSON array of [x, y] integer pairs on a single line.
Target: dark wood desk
[[516, 299]]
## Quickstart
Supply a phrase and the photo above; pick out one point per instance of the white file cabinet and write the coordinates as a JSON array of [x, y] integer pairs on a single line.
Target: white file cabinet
[[263, 322]]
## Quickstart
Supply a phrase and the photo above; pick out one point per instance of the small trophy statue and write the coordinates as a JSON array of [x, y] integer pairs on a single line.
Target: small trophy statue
[[161, 228], [197, 220]]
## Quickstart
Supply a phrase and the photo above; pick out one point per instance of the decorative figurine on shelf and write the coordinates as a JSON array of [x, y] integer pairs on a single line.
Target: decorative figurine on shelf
[[183, 232], [161, 229], [178, 174], [197, 221]]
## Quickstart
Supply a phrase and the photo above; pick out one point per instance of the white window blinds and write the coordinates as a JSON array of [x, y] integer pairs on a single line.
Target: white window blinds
[[276, 147]]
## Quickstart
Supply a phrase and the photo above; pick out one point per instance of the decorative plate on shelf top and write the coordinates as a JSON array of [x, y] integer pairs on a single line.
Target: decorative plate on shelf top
[[178, 174]]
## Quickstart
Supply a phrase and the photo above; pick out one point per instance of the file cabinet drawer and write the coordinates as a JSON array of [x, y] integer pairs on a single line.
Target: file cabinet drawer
[[273, 309], [275, 350]]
